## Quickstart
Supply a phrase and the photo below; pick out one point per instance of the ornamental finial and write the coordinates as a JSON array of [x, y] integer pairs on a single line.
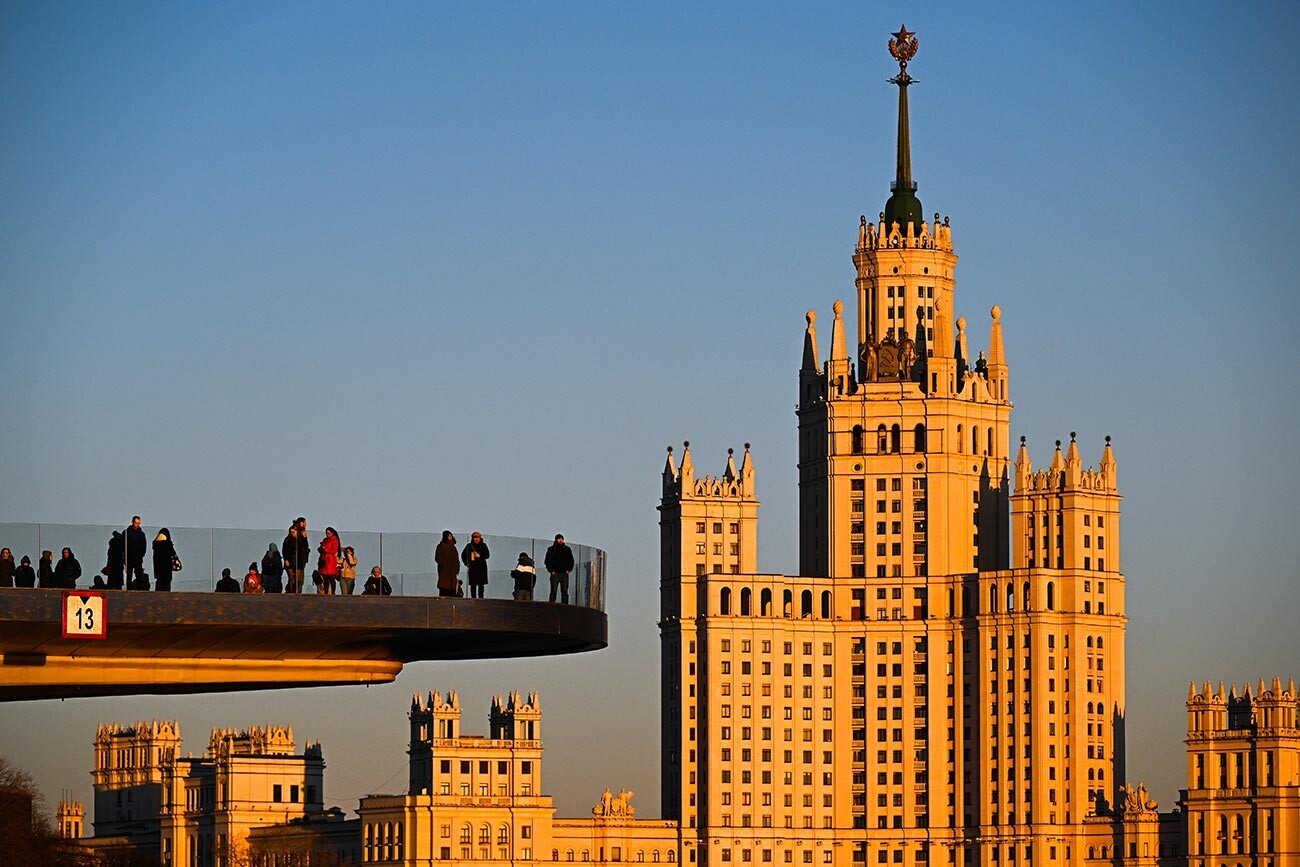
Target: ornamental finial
[[903, 48]]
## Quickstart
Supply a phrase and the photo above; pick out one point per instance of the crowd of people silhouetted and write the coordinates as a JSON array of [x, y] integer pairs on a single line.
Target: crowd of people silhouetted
[[283, 569]]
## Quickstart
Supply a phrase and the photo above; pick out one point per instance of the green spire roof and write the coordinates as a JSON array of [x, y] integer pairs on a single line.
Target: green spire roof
[[903, 206]]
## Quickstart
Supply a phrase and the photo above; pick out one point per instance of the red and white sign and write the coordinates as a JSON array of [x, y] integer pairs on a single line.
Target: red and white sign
[[84, 614]]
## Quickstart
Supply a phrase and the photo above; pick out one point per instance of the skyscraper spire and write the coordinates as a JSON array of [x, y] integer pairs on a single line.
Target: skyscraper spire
[[903, 206]]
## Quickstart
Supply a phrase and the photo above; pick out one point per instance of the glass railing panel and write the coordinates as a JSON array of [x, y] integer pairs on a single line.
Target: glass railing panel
[[407, 559]]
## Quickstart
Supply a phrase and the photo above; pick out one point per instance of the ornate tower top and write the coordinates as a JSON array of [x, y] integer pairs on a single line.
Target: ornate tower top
[[903, 206]]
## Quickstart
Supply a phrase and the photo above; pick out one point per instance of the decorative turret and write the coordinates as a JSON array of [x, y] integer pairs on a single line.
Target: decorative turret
[[515, 718], [997, 360], [903, 207]]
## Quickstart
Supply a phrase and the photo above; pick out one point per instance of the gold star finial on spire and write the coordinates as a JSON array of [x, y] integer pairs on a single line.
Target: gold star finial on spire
[[903, 48]]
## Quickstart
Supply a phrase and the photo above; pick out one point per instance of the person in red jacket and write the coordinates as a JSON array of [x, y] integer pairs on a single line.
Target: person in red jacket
[[329, 562]]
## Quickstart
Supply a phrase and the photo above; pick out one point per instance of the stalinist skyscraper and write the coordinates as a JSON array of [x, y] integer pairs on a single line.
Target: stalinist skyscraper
[[944, 681]]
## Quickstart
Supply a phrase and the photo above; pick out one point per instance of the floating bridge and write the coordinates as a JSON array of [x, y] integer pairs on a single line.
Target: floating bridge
[[194, 640]]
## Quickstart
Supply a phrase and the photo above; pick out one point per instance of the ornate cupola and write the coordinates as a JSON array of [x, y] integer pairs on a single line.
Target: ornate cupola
[[903, 206]]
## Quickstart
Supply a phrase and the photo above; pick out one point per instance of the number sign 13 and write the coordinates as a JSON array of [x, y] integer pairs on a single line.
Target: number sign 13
[[84, 614]]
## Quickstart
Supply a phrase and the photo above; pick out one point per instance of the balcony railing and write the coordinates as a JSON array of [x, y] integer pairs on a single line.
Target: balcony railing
[[406, 559]]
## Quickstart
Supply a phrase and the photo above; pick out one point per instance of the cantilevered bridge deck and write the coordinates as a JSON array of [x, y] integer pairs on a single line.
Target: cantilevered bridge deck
[[193, 640], [212, 642]]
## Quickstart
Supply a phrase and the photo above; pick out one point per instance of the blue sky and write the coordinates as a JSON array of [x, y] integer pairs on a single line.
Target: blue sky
[[423, 265]]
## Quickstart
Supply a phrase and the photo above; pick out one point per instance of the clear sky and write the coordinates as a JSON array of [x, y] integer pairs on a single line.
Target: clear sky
[[406, 266]]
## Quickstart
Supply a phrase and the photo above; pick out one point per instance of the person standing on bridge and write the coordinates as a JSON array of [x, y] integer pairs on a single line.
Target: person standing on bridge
[[45, 571], [7, 567], [136, 579], [25, 576], [165, 560], [525, 575], [448, 561], [116, 560], [475, 557], [559, 562], [329, 562], [297, 552], [272, 569], [347, 570], [135, 547], [67, 571]]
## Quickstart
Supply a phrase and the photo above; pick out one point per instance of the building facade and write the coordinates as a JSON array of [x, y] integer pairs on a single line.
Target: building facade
[[944, 682], [478, 800], [1242, 801], [154, 805]]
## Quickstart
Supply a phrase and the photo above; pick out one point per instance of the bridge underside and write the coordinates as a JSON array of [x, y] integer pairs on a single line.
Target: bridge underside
[[208, 642]]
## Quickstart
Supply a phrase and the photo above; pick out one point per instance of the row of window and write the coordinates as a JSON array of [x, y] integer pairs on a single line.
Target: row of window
[[746, 607], [615, 855]]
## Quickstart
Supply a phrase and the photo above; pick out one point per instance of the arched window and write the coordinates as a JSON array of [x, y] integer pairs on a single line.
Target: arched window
[[1024, 601], [1223, 833], [466, 833], [826, 605], [654, 856], [640, 854], [968, 600], [568, 854], [1239, 833], [1051, 596], [555, 854], [503, 834], [993, 599], [857, 439], [961, 443], [1011, 597], [805, 604], [397, 843], [745, 598], [895, 439], [787, 603], [882, 440], [724, 601], [765, 602], [1092, 852], [485, 834], [1100, 645], [388, 841], [1089, 707], [918, 438], [1090, 641], [974, 439], [586, 855], [988, 434], [672, 856]]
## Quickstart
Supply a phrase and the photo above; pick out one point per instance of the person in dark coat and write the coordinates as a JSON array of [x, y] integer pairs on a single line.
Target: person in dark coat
[[448, 561], [7, 567], [45, 571], [272, 570], [377, 584], [67, 571], [475, 557], [136, 543], [559, 562], [227, 584], [164, 557], [296, 551], [116, 561], [525, 575], [25, 575]]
